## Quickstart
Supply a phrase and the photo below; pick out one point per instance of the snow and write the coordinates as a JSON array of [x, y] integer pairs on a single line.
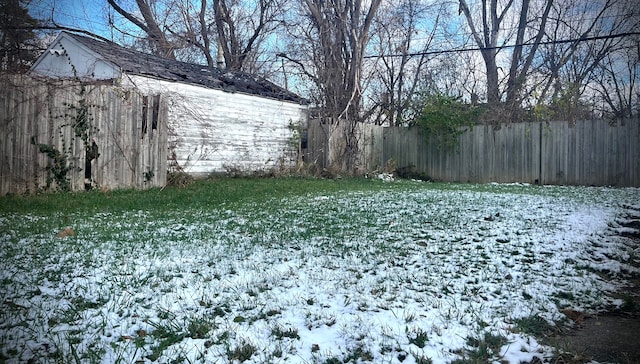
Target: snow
[[356, 272]]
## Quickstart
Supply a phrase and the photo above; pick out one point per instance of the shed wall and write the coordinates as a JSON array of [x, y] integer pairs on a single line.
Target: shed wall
[[213, 131]]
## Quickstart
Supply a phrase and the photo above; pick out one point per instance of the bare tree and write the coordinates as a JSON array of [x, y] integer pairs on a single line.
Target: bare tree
[[243, 26], [618, 82], [148, 24], [551, 48], [402, 39], [342, 31], [569, 67], [490, 24], [339, 34], [224, 33], [191, 27]]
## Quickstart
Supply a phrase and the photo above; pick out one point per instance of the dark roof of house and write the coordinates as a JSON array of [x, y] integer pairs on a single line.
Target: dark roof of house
[[140, 63]]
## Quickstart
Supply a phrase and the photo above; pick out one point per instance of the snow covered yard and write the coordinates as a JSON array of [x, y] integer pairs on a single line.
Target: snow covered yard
[[410, 273]]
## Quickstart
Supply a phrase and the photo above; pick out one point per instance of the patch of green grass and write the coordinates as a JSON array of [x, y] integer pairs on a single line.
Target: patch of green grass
[[279, 333], [242, 353], [222, 310], [565, 295], [420, 359], [170, 331], [533, 325], [166, 333], [629, 304], [333, 361], [482, 350], [198, 328], [418, 338], [201, 194], [359, 354], [222, 338]]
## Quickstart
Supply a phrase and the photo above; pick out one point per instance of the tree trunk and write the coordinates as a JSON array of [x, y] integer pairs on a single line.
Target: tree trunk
[[150, 26], [342, 37], [493, 82]]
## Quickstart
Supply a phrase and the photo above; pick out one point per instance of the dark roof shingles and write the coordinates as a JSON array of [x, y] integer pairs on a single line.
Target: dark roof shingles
[[140, 63]]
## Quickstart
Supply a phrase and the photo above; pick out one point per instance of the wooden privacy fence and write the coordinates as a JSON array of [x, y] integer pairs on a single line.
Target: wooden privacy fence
[[591, 152], [325, 141], [73, 135]]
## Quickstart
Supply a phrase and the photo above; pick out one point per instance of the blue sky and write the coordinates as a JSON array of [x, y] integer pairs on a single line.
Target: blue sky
[[89, 15]]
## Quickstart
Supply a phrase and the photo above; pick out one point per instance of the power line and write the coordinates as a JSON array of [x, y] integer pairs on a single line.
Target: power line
[[460, 50], [467, 33]]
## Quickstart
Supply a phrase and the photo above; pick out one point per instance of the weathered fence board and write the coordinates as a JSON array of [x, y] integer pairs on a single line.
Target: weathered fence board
[[325, 141], [44, 119], [591, 152]]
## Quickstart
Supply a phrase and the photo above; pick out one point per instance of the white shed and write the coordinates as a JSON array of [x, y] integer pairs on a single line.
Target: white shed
[[218, 120]]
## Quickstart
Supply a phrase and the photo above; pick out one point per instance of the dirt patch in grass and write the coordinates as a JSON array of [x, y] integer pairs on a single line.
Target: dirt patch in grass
[[610, 338]]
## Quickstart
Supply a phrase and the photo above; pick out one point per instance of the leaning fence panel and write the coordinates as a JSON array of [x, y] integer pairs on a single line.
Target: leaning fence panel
[[72, 135]]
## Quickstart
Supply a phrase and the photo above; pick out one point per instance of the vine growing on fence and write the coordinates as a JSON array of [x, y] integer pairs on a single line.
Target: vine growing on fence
[[79, 117], [444, 118], [58, 170]]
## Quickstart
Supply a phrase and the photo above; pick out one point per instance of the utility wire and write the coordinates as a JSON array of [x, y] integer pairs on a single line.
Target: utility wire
[[412, 54], [459, 50]]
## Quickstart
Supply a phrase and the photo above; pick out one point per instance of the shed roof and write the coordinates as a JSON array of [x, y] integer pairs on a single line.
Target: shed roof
[[144, 64]]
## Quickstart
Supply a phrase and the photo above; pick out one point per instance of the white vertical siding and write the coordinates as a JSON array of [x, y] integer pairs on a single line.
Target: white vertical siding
[[212, 131]]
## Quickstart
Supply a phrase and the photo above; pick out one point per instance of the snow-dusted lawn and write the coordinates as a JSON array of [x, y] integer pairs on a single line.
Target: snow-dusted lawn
[[412, 273]]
